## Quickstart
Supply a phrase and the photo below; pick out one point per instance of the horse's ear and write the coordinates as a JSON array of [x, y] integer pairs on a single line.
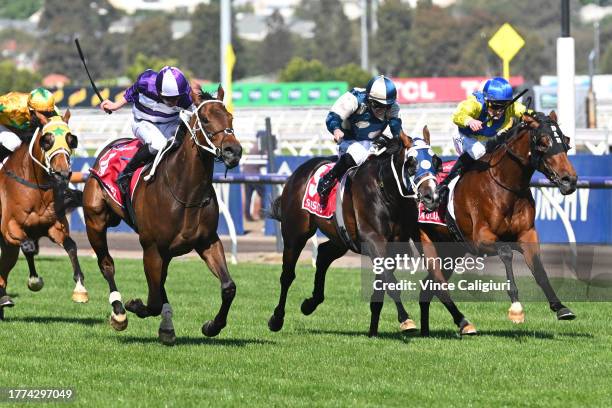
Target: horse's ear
[[66, 116], [426, 134], [42, 118], [220, 93], [405, 139], [553, 115]]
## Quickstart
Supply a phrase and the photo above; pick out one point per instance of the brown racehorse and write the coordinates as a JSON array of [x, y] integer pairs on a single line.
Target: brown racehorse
[[176, 212], [375, 214], [34, 180], [495, 211]]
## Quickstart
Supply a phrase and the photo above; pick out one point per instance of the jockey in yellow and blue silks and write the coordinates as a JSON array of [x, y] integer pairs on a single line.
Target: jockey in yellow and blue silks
[[356, 119], [479, 119]]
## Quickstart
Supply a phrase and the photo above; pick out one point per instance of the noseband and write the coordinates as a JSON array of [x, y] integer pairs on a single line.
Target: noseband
[[209, 146]]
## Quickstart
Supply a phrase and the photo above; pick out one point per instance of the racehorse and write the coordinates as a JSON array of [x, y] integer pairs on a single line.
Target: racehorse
[[495, 211], [176, 211], [34, 180], [376, 212]]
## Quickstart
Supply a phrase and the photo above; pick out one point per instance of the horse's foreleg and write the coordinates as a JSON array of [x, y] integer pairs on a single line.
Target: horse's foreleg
[[59, 234], [327, 253], [530, 247], [155, 268], [96, 232], [214, 256], [377, 247], [516, 314], [29, 247], [8, 259], [291, 253]]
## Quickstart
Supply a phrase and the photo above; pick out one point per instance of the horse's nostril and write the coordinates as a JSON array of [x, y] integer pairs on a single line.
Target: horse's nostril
[[232, 151]]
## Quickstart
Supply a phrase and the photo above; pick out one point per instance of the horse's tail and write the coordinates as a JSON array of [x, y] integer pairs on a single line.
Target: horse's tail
[[274, 211]]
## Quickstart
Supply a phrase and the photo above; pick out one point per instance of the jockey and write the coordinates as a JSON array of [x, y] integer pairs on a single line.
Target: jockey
[[17, 115], [479, 119], [158, 98], [356, 119]]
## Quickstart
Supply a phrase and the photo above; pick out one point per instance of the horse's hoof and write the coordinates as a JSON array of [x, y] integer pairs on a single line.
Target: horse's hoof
[[80, 297], [309, 306], [373, 334], [516, 313], [167, 337], [6, 301], [408, 326], [424, 333], [211, 329], [118, 322], [35, 283], [565, 314], [137, 307], [275, 323], [467, 329]]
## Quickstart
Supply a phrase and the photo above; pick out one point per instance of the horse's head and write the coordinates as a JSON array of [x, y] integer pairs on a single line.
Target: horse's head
[[548, 151], [421, 168], [212, 124], [52, 147]]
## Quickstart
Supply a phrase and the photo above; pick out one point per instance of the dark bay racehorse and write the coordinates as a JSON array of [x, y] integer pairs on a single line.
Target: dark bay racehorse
[[376, 213], [176, 212], [33, 182], [495, 211]]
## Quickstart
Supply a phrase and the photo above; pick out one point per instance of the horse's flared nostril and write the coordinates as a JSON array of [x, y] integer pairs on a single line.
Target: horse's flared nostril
[[232, 151]]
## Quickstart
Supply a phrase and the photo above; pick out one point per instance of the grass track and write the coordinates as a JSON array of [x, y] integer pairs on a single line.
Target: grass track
[[321, 360]]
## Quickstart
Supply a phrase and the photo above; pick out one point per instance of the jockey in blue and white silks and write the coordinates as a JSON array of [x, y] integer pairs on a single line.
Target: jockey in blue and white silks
[[355, 120], [158, 98]]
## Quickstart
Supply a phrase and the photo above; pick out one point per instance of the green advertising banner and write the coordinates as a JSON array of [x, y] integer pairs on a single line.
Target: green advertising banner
[[284, 93]]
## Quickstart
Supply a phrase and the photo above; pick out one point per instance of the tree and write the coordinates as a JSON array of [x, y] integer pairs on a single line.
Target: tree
[[388, 47], [333, 33], [143, 62], [353, 74], [277, 47], [19, 10], [152, 37], [199, 50], [14, 79], [299, 70], [61, 22]]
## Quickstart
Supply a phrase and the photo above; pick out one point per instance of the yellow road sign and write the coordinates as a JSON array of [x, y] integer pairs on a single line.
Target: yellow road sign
[[506, 42]]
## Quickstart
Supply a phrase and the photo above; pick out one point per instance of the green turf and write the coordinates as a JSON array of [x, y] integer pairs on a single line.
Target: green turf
[[321, 360]]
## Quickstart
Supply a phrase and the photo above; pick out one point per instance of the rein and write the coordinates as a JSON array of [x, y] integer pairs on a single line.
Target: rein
[[208, 147], [533, 163]]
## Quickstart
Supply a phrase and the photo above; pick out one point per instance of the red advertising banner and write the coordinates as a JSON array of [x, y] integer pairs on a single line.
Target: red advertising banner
[[448, 89]]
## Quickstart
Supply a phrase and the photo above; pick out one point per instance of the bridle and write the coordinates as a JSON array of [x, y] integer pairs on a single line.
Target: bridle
[[415, 178], [209, 146], [537, 155]]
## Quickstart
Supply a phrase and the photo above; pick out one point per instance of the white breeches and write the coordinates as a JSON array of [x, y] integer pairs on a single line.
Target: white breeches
[[154, 135], [358, 149], [9, 139], [475, 148]]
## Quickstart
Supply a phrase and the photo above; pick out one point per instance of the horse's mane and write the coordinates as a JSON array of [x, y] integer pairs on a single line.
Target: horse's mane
[[517, 125]]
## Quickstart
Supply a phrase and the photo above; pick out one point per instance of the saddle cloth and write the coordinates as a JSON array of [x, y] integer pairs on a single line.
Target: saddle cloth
[[312, 202], [112, 163]]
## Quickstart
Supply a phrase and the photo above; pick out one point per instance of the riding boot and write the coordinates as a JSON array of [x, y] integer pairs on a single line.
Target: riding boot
[[142, 156], [458, 169], [327, 182], [4, 153]]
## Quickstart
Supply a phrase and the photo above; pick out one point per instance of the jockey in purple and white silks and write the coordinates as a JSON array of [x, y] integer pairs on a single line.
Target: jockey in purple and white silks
[[356, 119], [157, 98]]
